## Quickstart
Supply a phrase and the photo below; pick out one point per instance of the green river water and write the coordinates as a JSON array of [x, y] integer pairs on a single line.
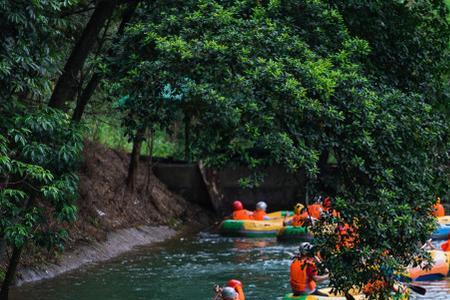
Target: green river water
[[184, 268]]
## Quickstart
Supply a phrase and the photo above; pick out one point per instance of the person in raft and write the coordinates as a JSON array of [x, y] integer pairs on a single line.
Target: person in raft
[[300, 216], [438, 209], [304, 277], [260, 212], [233, 291], [239, 213]]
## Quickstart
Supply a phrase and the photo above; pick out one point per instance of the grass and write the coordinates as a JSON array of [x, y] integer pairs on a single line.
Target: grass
[[111, 134]]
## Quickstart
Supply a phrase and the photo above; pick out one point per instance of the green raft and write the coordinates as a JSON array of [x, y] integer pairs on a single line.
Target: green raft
[[250, 228], [294, 234]]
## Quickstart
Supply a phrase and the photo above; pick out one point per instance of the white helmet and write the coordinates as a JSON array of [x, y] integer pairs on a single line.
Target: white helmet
[[261, 205], [228, 293], [305, 248]]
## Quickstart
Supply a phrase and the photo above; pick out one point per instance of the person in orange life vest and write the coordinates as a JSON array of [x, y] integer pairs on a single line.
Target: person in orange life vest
[[299, 218], [303, 273], [438, 209], [315, 210], [260, 213], [238, 287], [239, 213]]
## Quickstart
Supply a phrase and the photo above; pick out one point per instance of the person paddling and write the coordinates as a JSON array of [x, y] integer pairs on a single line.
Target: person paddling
[[300, 218], [438, 208], [304, 276]]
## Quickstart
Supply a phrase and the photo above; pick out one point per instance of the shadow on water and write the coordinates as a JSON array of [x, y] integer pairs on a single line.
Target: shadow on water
[[185, 268]]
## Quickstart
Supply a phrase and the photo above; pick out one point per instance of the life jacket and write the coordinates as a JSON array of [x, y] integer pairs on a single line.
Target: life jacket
[[259, 215], [242, 214], [315, 210], [299, 220], [240, 292], [300, 281], [439, 210]]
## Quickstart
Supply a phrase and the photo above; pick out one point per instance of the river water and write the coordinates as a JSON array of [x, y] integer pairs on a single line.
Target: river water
[[185, 268]]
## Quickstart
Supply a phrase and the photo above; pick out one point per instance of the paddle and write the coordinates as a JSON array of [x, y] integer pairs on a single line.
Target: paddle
[[418, 289], [349, 297]]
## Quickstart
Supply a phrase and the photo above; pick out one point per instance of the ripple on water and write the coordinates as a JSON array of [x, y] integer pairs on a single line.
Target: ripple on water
[[183, 269]]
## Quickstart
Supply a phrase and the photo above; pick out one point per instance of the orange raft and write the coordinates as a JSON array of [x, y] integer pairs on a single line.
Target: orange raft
[[439, 270]]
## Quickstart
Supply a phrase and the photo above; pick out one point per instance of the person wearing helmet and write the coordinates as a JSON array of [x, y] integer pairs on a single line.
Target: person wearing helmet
[[260, 213], [233, 291], [239, 213], [303, 272], [438, 209], [238, 287], [299, 218]]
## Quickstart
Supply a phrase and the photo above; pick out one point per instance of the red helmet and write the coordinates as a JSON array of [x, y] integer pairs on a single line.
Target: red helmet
[[234, 283], [237, 205]]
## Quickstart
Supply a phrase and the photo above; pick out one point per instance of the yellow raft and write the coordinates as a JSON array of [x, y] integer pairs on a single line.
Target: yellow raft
[[439, 270], [254, 228], [331, 296], [327, 291]]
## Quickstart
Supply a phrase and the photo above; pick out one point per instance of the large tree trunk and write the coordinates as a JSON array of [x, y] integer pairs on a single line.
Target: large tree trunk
[[97, 77], [65, 88], [10, 273], [134, 160]]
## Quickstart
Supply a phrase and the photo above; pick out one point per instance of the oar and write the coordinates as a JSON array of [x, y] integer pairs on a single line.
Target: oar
[[418, 289]]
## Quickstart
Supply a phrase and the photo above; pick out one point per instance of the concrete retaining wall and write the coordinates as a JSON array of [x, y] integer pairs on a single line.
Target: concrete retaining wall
[[280, 190]]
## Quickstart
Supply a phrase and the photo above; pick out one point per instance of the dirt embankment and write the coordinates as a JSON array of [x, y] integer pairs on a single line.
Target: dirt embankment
[[111, 219]]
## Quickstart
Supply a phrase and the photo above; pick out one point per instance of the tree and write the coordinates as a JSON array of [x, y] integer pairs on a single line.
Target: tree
[[284, 82], [39, 153]]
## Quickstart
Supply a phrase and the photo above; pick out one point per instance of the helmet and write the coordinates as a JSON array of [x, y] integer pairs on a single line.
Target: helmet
[[228, 293], [261, 205], [237, 205], [234, 283], [298, 207], [438, 200], [305, 248]]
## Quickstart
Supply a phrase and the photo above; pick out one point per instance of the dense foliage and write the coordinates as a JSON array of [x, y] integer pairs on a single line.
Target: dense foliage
[[273, 84], [296, 83]]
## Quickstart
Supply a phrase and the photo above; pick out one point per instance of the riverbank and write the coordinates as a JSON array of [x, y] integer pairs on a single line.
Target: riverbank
[[111, 219], [116, 243]]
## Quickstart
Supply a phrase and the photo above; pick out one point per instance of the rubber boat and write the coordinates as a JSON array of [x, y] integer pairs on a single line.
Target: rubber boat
[[254, 228], [326, 291], [439, 270], [294, 234], [443, 230], [331, 296]]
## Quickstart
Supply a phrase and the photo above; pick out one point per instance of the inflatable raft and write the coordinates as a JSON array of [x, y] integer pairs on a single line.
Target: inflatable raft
[[327, 291], [439, 270], [331, 296], [443, 230], [294, 234], [254, 228]]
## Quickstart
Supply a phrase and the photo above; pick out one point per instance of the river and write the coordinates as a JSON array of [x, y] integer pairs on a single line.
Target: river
[[184, 268]]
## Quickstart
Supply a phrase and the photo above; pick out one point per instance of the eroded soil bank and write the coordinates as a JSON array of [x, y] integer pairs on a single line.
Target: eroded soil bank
[[111, 219]]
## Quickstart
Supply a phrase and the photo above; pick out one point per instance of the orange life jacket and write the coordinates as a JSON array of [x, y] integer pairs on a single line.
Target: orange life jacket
[[299, 220], [315, 210], [439, 210], [300, 281], [242, 214], [259, 215], [240, 292]]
